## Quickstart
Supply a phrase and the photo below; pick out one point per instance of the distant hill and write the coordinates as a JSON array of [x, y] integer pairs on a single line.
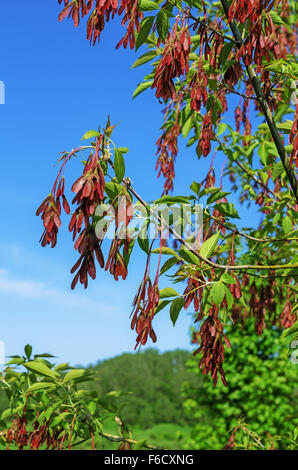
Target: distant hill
[[154, 380]]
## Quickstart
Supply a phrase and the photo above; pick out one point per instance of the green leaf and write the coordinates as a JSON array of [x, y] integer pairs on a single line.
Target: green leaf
[[148, 5], [293, 287], [276, 18], [224, 53], [162, 304], [143, 241], [9, 412], [76, 374], [285, 126], [189, 256], [277, 170], [195, 187], [209, 246], [58, 419], [168, 264], [166, 251], [227, 279], [172, 200], [92, 407], [15, 360], [216, 196], [167, 292], [187, 127], [62, 366], [286, 224], [263, 153], [175, 309], [28, 350], [229, 298], [123, 149], [145, 58], [145, 29], [39, 386], [221, 128], [217, 293], [162, 24], [43, 355], [227, 209], [139, 444], [119, 165], [113, 190], [290, 332], [40, 369], [90, 134], [217, 107], [142, 87]]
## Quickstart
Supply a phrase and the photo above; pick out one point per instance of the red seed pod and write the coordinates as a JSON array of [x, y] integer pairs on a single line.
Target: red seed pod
[[174, 62], [167, 149]]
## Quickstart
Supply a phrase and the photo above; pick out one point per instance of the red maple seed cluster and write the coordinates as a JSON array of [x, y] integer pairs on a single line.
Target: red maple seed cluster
[[174, 62], [211, 346], [210, 47], [89, 248], [288, 317], [115, 262], [204, 145], [244, 10], [198, 94], [167, 150], [259, 302], [34, 439], [194, 291], [50, 210], [260, 38], [132, 16], [89, 194], [145, 304], [89, 189], [102, 11], [233, 74]]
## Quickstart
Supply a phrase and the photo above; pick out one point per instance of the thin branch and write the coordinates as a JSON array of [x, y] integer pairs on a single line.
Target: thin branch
[[113, 438], [242, 234], [203, 23]]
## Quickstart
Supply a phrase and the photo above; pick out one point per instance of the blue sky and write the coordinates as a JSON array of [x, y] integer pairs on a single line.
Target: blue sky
[[57, 87]]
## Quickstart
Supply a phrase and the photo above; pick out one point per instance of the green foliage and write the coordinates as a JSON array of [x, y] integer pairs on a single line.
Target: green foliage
[[262, 390], [44, 407]]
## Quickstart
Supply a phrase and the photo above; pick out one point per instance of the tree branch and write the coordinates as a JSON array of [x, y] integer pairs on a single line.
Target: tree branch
[[197, 254]]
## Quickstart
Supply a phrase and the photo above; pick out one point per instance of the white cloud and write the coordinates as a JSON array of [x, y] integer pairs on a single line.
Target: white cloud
[[40, 290]]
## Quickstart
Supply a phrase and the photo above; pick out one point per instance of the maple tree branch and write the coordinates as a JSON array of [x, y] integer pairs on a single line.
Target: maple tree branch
[[197, 254], [129, 187]]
